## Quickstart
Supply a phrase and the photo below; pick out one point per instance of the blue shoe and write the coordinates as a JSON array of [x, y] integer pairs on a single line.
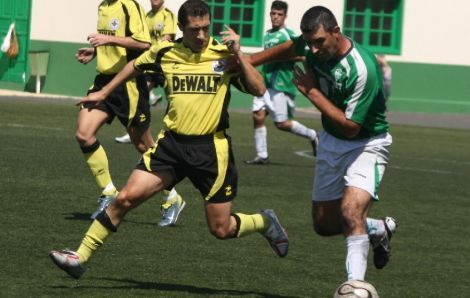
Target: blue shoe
[[170, 211], [276, 234]]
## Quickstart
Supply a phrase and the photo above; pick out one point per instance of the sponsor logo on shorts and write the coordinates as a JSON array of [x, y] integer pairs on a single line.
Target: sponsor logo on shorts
[[142, 117], [228, 190]]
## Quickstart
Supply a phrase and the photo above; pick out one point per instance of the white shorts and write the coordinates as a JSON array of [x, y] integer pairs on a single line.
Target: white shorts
[[279, 105], [342, 163]]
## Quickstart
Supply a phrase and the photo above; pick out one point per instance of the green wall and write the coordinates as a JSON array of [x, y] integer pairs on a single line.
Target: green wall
[[417, 87], [430, 88], [65, 75]]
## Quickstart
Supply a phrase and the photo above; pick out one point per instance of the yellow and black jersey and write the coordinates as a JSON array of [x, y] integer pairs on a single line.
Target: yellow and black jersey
[[162, 22], [198, 89], [122, 18]]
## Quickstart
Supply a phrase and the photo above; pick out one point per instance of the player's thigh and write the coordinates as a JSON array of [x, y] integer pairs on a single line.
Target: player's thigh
[[141, 185], [89, 122], [283, 106]]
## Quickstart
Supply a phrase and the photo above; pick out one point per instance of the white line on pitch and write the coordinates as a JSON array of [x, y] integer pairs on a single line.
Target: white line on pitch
[[308, 154], [14, 125]]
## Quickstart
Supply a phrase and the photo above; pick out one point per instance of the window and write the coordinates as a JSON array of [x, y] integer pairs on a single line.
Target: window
[[376, 24], [246, 17]]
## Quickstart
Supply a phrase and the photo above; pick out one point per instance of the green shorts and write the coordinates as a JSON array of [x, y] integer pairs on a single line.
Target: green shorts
[[129, 102], [207, 160]]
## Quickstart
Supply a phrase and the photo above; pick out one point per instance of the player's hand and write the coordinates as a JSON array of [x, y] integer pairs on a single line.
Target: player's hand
[[231, 39], [95, 97], [85, 55], [96, 39], [304, 81]]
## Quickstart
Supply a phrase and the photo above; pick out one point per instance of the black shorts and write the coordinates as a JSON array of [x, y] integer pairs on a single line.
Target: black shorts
[[157, 79], [129, 101], [206, 160]]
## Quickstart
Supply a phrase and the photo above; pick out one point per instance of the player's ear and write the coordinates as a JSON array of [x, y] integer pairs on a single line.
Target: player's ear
[[181, 27]]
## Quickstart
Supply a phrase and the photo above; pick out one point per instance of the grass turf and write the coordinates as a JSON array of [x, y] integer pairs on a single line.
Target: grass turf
[[47, 195]]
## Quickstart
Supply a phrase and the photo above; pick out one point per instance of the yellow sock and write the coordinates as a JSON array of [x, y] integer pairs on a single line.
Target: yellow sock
[[98, 163], [93, 239], [251, 223]]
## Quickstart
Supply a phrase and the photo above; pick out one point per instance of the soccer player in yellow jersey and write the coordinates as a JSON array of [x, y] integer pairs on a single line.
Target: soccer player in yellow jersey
[[122, 35], [162, 26], [193, 142]]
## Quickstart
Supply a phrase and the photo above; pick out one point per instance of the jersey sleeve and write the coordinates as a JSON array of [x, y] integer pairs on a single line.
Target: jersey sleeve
[[363, 88], [149, 60], [137, 23], [169, 26]]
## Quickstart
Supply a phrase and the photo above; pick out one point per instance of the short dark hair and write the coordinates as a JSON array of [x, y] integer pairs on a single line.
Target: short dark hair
[[318, 16], [194, 8], [279, 5]]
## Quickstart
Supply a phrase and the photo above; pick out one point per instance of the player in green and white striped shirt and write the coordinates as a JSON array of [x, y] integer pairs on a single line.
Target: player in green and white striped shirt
[[278, 101], [342, 79]]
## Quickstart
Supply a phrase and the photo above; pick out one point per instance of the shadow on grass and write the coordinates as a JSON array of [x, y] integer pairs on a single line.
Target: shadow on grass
[[143, 285], [86, 217]]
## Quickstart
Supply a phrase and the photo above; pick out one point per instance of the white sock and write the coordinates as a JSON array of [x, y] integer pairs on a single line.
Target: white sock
[[168, 195], [356, 260], [302, 130], [375, 227], [110, 188], [261, 142]]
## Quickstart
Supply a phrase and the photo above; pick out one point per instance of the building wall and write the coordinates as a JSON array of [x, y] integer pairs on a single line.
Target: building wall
[[426, 73]]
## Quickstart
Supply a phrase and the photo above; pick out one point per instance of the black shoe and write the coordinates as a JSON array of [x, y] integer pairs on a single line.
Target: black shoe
[[257, 161], [381, 245]]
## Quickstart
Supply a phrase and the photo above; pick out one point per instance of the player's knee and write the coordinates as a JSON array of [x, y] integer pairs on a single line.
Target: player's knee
[[124, 200], [220, 232], [81, 137], [283, 125], [350, 220], [323, 228]]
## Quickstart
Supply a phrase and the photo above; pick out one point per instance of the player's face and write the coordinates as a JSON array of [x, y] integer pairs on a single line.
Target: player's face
[[278, 18], [196, 32], [324, 45]]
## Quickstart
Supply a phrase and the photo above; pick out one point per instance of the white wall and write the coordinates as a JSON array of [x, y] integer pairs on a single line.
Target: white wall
[[436, 32], [432, 33]]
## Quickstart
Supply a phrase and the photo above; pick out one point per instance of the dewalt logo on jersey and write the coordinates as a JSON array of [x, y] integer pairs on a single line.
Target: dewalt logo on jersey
[[195, 83]]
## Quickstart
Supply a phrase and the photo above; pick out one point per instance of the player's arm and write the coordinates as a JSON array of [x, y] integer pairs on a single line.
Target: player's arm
[[97, 39], [253, 81], [129, 71], [283, 52], [306, 82]]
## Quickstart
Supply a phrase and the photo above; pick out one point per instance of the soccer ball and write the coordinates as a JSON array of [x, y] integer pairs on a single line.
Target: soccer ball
[[356, 289]]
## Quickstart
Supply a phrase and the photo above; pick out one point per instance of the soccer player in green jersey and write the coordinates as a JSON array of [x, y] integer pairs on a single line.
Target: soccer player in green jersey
[[279, 99], [193, 142], [343, 81]]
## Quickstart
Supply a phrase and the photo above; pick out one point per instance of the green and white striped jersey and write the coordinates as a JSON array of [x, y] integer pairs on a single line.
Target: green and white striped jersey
[[278, 75], [352, 83]]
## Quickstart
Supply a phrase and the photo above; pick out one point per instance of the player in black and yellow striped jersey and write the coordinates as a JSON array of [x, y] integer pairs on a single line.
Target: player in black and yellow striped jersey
[[122, 35], [193, 142]]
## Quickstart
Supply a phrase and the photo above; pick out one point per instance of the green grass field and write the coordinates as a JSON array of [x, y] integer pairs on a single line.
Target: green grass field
[[47, 195]]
